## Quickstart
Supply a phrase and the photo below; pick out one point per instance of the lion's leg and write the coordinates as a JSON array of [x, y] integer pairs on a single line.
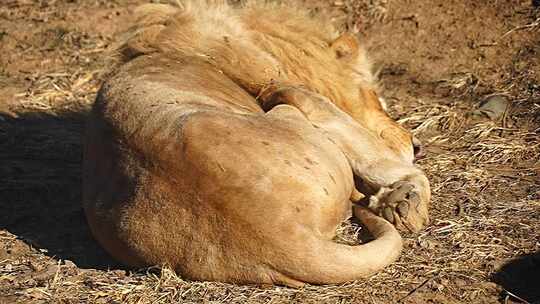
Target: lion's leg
[[401, 191]]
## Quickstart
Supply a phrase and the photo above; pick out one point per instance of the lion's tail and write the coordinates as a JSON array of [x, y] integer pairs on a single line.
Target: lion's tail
[[330, 262]]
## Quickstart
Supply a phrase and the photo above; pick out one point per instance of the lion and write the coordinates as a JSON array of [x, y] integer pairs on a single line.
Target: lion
[[231, 141]]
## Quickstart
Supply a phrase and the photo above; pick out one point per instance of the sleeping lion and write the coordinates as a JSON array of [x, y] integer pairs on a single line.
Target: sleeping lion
[[230, 142]]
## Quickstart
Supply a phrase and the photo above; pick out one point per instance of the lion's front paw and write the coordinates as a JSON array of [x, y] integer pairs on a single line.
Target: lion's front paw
[[402, 205]]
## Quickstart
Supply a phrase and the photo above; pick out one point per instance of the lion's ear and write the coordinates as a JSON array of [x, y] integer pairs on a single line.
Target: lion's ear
[[346, 46]]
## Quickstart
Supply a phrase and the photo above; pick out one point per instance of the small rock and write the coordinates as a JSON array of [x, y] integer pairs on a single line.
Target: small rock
[[69, 264], [493, 108]]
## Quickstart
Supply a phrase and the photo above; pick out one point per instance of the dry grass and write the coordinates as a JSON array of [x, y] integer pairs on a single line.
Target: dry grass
[[484, 175]]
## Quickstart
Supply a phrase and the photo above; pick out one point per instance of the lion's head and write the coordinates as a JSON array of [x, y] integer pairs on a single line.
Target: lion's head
[[257, 51]]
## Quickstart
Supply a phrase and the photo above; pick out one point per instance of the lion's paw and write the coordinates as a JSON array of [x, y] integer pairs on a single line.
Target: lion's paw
[[401, 205]]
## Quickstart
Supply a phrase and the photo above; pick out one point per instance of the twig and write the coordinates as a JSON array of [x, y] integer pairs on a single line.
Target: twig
[[415, 290], [515, 296], [519, 28]]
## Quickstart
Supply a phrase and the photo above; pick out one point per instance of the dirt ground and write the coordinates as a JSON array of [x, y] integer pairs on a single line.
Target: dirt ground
[[439, 61]]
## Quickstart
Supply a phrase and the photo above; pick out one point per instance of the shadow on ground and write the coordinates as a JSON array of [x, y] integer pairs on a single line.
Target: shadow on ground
[[40, 186], [521, 277]]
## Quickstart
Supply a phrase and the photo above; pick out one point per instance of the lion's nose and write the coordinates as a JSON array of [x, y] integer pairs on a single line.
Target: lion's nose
[[417, 148]]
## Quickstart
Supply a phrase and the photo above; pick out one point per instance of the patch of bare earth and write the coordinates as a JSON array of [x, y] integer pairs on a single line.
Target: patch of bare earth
[[439, 62]]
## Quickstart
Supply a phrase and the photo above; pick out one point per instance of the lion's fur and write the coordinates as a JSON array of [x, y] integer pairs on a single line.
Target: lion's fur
[[226, 143], [255, 45]]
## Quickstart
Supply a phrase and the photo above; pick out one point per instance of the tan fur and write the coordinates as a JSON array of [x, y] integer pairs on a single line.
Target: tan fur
[[225, 145], [255, 46]]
